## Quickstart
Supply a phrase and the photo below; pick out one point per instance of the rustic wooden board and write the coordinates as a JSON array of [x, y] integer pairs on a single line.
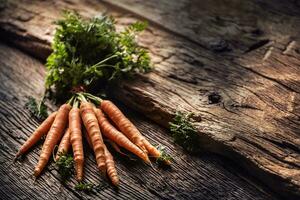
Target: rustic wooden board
[[256, 121], [203, 177], [230, 26]]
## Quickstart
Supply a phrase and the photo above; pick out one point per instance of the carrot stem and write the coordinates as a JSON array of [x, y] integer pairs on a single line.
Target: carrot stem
[[82, 97], [103, 61], [95, 98], [71, 100], [75, 103]]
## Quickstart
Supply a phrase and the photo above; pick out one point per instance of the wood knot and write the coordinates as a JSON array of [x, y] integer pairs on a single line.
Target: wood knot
[[257, 32], [214, 98], [219, 45], [257, 45]]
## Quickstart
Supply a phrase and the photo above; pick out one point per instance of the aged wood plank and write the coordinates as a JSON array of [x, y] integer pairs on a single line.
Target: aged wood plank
[[204, 177], [256, 120], [232, 27]]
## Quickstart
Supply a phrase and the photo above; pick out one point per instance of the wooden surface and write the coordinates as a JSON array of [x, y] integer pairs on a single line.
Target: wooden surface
[[230, 26], [203, 177], [251, 61]]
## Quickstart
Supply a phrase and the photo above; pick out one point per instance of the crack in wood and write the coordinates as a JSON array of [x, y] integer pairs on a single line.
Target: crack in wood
[[257, 45], [268, 53], [246, 106], [289, 47], [183, 79], [272, 155], [270, 78]]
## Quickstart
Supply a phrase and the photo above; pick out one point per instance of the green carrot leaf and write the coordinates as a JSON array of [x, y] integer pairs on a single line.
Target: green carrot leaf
[[184, 132], [91, 53], [37, 110]]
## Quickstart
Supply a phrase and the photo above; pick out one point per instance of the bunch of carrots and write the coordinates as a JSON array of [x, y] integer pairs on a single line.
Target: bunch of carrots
[[86, 115]]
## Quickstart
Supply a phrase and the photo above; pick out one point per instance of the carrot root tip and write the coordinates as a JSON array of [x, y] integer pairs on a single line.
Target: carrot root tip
[[15, 158], [36, 173], [79, 179], [116, 183]]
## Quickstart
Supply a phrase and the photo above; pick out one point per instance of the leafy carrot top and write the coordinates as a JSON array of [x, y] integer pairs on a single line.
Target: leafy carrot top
[[89, 52], [65, 166], [184, 132]]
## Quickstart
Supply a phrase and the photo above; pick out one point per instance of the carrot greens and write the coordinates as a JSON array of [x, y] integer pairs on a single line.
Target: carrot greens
[[184, 132], [86, 187], [87, 52], [65, 165], [164, 156], [38, 110]]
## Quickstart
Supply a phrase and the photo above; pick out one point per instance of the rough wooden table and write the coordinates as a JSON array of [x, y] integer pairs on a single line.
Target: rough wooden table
[[204, 177], [245, 52]]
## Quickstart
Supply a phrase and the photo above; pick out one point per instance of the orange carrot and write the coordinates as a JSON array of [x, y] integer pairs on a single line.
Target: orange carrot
[[91, 124], [64, 144], [117, 149], [53, 137], [87, 138], [76, 141], [111, 168], [123, 123], [116, 136], [37, 134], [110, 164]]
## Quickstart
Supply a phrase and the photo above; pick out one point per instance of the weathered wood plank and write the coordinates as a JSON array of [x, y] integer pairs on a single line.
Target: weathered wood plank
[[232, 27], [204, 177], [256, 120], [257, 116]]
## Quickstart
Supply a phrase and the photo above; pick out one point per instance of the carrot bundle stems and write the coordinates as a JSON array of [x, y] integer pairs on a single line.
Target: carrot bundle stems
[[36, 135], [123, 123], [70, 101], [53, 137], [91, 124], [76, 140], [116, 136], [98, 100]]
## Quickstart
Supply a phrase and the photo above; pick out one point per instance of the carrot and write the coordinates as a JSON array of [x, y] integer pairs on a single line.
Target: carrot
[[116, 136], [87, 138], [91, 124], [123, 123], [76, 140], [117, 149], [110, 164], [64, 144], [37, 134], [53, 137], [111, 168]]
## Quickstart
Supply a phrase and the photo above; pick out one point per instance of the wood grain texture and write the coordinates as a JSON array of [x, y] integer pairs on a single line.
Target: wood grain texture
[[255, 119], [191, 177], [230, 26]]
